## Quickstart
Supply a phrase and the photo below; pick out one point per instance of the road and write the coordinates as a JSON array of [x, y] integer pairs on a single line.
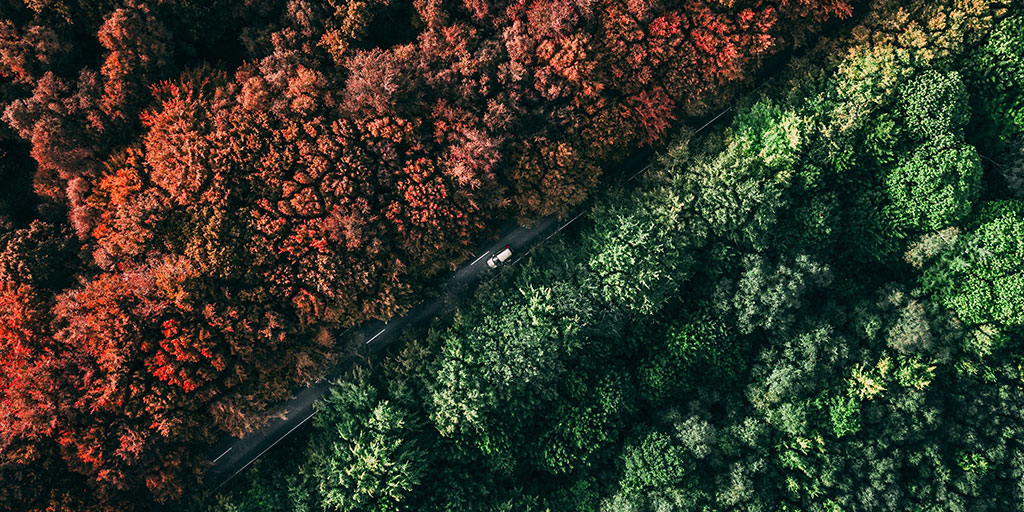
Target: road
[[232, 455]]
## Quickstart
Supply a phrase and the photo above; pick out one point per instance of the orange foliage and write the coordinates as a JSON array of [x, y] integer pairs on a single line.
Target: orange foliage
[[228, 224]]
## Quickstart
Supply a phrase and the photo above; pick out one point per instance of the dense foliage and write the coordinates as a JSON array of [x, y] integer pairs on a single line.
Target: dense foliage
[[198, 193], [817, 308]]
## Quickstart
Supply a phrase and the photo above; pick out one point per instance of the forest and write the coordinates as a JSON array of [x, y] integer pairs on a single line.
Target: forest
[[815, 304]]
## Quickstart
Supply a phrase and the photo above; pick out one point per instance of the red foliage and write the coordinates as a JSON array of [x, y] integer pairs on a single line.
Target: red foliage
[[25, 53], [122, 427], [137, 46], [229, 223], [28, 408]]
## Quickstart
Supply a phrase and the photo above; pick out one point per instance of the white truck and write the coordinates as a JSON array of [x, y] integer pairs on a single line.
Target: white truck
[[499, 257]]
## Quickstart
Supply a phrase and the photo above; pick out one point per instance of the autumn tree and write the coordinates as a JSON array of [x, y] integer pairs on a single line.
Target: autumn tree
[[139, 52], [35, 262], [65, 125], [113, 326]]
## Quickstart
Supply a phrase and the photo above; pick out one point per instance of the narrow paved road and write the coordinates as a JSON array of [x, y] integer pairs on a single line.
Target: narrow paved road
[[232, 455]]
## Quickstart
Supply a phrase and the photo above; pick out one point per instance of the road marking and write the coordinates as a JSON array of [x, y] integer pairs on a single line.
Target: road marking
[[641, 171], [478, 259], [563, 226], [375, 335], [265, 450], [542, 242], [720, 114], [223, 454]]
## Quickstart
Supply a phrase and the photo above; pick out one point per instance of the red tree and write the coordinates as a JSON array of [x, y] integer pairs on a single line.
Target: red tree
[[138, 53], [238, 219]]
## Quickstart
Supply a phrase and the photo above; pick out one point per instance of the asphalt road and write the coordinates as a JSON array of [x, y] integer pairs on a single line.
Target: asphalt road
[[232, 455]]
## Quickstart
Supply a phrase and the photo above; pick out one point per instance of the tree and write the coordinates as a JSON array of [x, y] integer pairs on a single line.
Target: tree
[[139, 52], [588, 417], [66, 127], [998, 68], [551, 176], [738, 193], [32, 368], [980, 277], [639, 248], [694, 352], [653, 470], [488, 384], [27, 51], [363, 455], [936, 104], [768, 296], [347, 24], [35, 263], [936, 186], [127, 428], [41, 255]]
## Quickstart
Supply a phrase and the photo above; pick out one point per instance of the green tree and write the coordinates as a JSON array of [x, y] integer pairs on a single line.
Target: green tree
[[655, 470], [587, 418], [736, 194], [696, 350], [981, 278], [502, 361], [998, 67], [640, 248], [769, 295], [936, 186], [935, 104], [363, 454]]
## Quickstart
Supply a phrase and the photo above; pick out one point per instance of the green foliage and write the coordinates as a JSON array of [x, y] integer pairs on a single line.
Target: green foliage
[[639, 248], [696, 351], [658, 469], [936, 186], [862, 85], [493, 361], [656, 462], [362, 456], [737, 192], [786, 380], [981, 278], [588, 419], [999, 66], [769, 295], [935, 104], [844, 411]]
